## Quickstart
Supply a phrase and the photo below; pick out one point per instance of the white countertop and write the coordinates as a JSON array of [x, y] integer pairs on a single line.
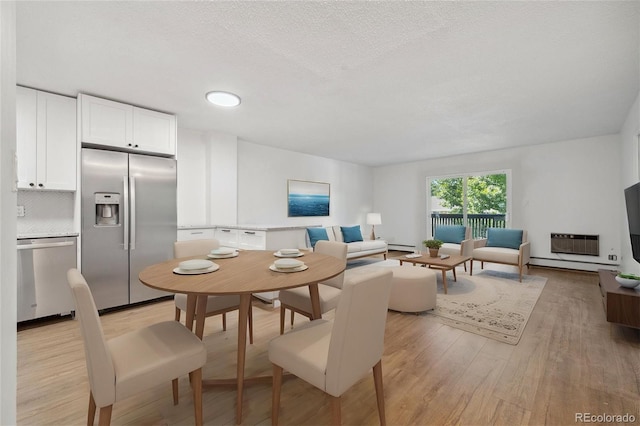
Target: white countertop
[[47, 235], [249, 227]]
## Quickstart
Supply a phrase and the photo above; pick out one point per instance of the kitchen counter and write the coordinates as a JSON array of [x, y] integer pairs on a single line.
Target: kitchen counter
[[47, 235], [266, 227], [196, 227], [249, 227]]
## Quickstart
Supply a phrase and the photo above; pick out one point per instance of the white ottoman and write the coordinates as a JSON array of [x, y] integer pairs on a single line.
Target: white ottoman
[[414, 289]]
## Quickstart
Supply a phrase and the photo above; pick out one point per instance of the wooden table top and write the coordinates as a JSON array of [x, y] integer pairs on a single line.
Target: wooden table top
[[450, 262], [247, 273]]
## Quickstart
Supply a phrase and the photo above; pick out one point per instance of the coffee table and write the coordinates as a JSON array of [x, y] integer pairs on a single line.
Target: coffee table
[[444, 265]]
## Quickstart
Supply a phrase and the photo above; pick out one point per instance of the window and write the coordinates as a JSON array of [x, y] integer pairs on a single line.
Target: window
[[479, 200]]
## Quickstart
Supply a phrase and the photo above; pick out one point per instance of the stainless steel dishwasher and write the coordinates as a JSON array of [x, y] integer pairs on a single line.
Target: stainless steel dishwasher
[[42, 276]]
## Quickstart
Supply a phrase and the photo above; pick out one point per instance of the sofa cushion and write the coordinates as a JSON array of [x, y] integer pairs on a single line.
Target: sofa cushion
[[501, 237], [449, 248], [317, 234], [450, 233], [366, 246], [351, 234], [496, 254]]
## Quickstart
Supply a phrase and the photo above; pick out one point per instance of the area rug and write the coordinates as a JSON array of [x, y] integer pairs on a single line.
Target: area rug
[[493, 304], [490, 303]]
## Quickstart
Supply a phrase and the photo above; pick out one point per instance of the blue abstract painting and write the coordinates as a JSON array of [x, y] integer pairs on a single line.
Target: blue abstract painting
[[308, 198]]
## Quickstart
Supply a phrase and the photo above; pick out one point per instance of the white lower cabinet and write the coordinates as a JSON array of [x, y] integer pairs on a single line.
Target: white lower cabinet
[[228, 237], [252, 240], [195, 234], [260, 239]]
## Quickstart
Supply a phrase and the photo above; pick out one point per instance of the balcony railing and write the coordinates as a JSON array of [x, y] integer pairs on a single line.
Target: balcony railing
[[478, 222]]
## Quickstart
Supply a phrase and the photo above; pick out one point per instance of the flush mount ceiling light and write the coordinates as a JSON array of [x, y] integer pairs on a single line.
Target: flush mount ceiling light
[[224, 99]]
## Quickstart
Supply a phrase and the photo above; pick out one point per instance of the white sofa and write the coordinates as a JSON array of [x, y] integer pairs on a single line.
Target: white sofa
[[356, 249]]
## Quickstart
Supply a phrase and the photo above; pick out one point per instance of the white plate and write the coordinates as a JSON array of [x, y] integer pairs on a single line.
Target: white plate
[[278, 254], [274, 268], [222, 256], [222, 251], [188, 265], [287, 263], [179, 271], [289, 251]]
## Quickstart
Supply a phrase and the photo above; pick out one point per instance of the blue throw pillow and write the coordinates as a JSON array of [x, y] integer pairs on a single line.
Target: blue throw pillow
[[450, 233], [500, 237], [351, 234], [317, 234]]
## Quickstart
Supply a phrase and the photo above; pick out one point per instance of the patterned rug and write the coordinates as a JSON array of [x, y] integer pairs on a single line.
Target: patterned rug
[[493, 304], [490, 303]]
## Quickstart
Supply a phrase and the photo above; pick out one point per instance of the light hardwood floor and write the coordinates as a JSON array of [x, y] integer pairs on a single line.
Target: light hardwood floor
[[569, 360]]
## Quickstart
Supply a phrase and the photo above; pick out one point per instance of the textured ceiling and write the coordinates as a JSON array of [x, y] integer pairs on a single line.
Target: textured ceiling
[[367, 82]]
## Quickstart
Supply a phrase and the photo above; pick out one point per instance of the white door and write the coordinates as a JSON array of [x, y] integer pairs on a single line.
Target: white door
[[154, 131], [26, 134], [106, 122], [56, 148]]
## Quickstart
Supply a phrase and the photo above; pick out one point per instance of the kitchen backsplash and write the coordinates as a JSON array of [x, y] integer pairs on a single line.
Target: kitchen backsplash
[[45, 212]]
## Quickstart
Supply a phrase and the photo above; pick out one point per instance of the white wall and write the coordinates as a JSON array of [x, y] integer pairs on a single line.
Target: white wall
[[207, 178], [7, 214], [569, 186], [630, 174], [262, 186], [192, 178]]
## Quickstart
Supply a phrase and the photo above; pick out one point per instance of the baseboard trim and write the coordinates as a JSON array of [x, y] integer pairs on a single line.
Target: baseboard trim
[[572, 264]]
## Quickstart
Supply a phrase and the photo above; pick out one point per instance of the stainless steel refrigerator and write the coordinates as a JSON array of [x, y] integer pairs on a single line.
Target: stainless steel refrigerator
[[129, 222]]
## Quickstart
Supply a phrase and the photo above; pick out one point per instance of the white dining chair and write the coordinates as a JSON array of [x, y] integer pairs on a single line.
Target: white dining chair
[[298, 300], [136, 361], [216, 305], [334, 355]]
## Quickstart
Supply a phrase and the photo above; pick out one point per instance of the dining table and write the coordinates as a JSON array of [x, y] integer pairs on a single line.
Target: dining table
[[248, 272]]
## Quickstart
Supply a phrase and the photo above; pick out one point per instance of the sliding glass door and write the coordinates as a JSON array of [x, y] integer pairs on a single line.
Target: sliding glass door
[[478, 200]]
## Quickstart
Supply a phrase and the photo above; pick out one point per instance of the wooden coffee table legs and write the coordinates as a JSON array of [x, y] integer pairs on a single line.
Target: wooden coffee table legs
[[444, 276]]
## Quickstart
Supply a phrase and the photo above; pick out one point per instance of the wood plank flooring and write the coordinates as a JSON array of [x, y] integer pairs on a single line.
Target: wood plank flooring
[[569, 360]]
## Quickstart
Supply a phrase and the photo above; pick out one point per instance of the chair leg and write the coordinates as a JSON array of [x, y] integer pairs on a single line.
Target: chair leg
[[282, 314], [196, 385], [275, 394], [336, 416], [174, 388], [250, 323], [465, 266], [520, 273], [105, 416], [92, 410], [292, 315], [224, 321], [377, 380], [177, 314]]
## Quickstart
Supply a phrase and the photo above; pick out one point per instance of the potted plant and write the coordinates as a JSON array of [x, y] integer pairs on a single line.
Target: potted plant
[[433, 246]]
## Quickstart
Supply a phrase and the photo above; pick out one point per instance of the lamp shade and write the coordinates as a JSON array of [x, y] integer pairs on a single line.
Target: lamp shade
[[374, 219]]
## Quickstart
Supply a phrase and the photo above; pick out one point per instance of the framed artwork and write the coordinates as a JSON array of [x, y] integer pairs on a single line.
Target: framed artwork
[[308, 198]]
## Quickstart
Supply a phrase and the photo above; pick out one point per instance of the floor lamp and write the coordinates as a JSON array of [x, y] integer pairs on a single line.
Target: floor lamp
[[373, 219]]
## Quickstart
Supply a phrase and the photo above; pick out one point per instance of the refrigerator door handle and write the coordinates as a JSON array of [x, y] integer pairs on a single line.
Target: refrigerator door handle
[[125, 228], [133, 212]]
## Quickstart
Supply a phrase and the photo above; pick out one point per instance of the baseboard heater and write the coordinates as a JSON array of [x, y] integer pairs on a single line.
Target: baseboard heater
[[575, 244]]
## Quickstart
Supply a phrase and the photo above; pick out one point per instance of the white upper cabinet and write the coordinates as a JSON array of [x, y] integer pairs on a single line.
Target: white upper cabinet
[[106, 122], [46, 140], [127, 127], [154, 131]]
